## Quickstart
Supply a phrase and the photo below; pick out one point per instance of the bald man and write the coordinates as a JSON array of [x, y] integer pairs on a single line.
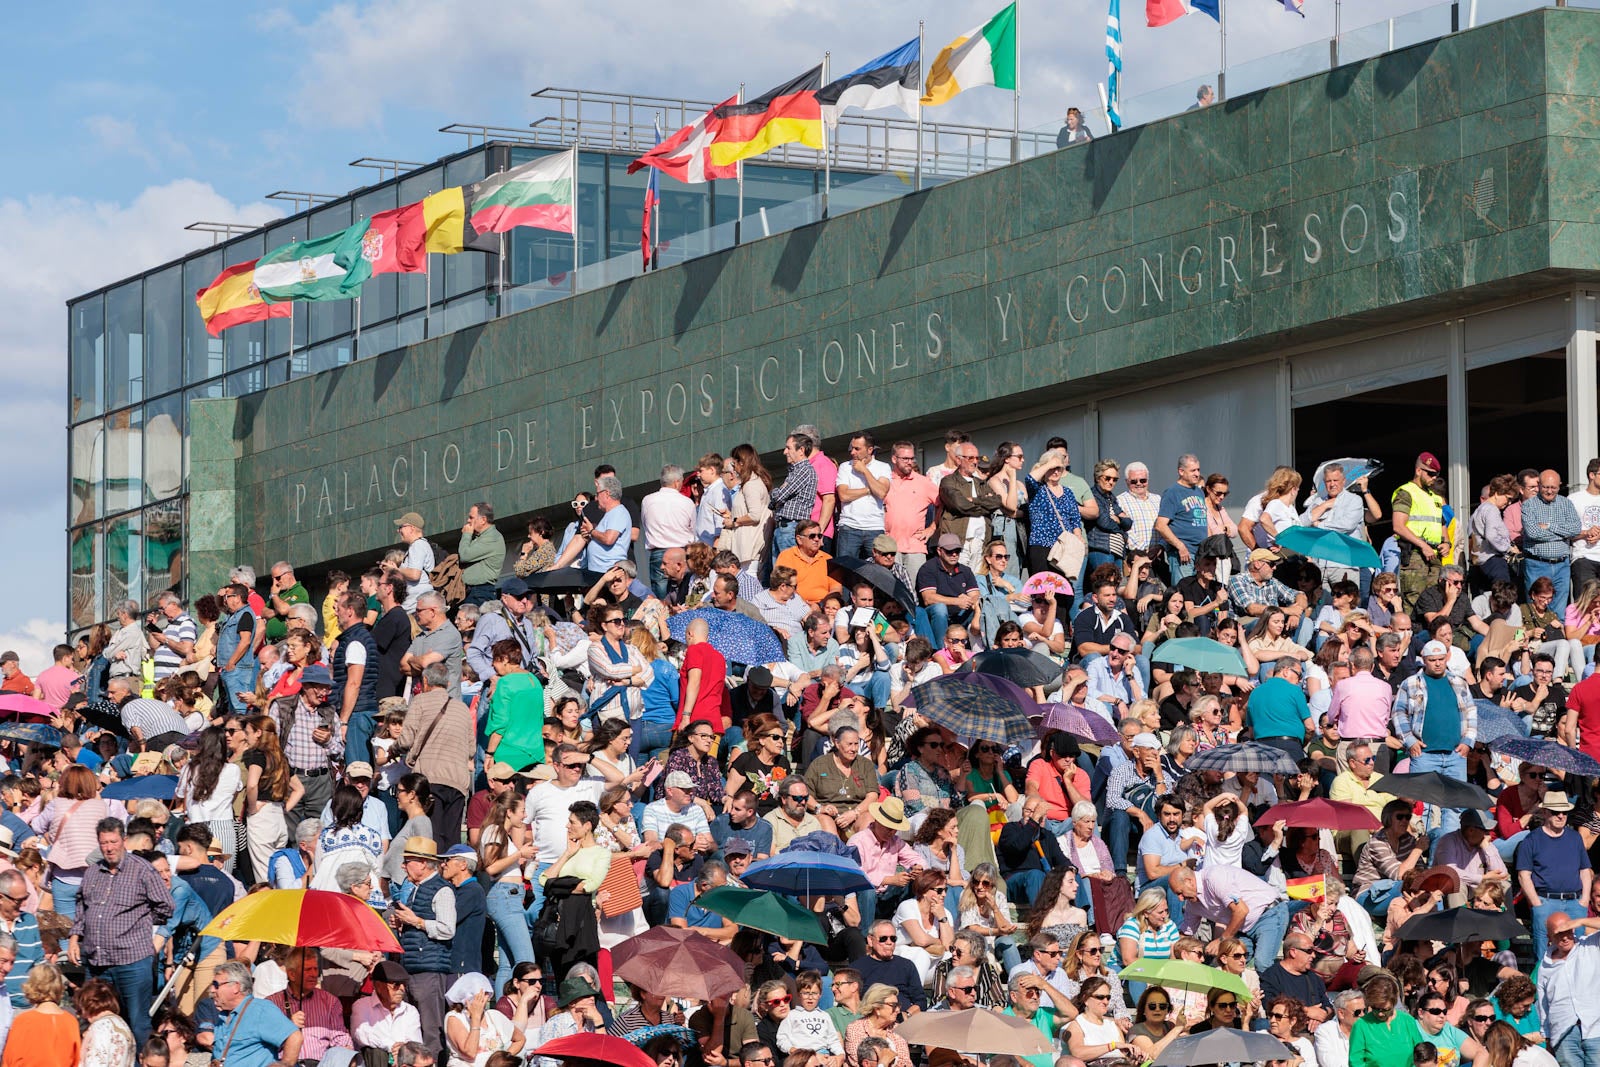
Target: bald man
[[1567, 976], [1549, 526], [704, 682]]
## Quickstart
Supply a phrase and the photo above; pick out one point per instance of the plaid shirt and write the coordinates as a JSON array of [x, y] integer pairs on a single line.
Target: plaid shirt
[[118, 911], [1244, 591], [1125, 777], [792, 500], [1555, 543], [1143, 513], [303, 753], [749, 587], [324, 1028], [1411, 705]]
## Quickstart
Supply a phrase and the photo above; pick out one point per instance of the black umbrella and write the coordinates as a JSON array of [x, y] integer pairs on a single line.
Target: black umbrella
[[1456, 925], [1431, 787], [563, 580], [880, 578], [1021, 665]]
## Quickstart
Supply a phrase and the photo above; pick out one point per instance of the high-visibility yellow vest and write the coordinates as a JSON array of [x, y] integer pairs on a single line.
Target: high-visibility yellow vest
[[1426, 517]]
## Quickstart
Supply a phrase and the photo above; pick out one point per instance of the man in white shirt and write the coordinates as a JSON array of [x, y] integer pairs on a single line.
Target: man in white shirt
[[676, 806], [1586, 549], [1567, 977], [667, 521], [384, 1020], [863, 484], [548, 805], [1332, 1039]]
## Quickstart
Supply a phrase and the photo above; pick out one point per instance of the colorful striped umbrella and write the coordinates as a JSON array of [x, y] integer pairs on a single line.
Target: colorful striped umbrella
[[304, 917]]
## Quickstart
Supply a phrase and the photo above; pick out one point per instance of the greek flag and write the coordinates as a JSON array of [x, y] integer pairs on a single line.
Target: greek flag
[[1114, 64]]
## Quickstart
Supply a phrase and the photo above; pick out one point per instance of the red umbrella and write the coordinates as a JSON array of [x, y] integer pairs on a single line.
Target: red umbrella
[[677, 962], [596, 1049], [1317, 813], [22, 704]]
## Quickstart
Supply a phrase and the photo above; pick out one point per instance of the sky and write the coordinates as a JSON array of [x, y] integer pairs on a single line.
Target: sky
[[131, 120]]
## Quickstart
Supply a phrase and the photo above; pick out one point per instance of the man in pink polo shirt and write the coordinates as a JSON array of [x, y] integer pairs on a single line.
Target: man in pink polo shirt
[[826, 505], [906, 517], [886, 858], [1360, 706]]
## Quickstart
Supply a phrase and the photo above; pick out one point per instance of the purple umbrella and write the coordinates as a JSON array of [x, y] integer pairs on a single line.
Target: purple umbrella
[[1078, 723]]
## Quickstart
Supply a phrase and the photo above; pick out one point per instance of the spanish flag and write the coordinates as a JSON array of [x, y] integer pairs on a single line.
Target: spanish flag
[[785, 114], [1312, 888], [232, 298]]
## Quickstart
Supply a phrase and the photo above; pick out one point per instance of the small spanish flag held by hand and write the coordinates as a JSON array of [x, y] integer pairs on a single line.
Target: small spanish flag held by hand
[[1313, 888]]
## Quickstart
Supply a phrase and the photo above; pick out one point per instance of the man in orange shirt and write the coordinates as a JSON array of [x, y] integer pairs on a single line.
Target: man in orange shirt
[[810, 563], [15, 680]]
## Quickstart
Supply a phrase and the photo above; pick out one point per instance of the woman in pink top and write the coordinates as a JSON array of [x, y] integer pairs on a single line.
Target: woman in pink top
[[67, 823]]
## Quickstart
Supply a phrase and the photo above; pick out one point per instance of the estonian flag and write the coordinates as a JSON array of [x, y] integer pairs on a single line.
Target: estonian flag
[[894, 79]]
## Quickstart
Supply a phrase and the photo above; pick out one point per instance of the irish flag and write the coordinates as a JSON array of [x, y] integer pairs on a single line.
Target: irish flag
[[986, 55], [323, 268], [534, 194]]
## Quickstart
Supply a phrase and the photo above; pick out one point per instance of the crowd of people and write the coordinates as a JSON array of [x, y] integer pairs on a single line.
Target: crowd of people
[[523, 759]]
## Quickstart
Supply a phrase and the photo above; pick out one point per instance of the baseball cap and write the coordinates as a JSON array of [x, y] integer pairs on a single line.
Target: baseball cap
[[949, 540], [1145, 740], [1429, 461], [410, 518], [760, 677], [1435, 648], [885, 543], [738, 846], [679, 780], [358, 769], [514, 587]]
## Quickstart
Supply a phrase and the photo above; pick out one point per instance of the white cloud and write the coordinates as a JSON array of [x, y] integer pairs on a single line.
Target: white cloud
[[32, 641]]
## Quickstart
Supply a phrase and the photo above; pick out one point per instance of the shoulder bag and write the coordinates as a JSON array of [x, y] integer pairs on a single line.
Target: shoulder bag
[[1066, 555]]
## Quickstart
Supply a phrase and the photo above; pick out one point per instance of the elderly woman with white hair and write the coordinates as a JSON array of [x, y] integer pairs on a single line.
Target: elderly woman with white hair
[[345, 970], [474, 1031], [1085, 847]]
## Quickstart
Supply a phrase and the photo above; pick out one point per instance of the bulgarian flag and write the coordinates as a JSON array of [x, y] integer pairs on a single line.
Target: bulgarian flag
[[986, 55], [323, 268], [232, 298], [534, 194], [1312, 888]]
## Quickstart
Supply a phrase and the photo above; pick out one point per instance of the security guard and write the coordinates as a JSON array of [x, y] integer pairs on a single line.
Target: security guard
[[1419, 529]]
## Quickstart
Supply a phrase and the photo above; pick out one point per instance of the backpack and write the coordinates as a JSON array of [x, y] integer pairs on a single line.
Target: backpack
[[446, 576]]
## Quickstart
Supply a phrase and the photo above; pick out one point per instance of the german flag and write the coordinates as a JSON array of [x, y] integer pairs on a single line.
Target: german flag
[[783, 115], [232, 298]]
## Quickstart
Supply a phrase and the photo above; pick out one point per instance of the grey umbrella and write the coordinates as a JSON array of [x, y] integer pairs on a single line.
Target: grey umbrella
[[1224, 1045]]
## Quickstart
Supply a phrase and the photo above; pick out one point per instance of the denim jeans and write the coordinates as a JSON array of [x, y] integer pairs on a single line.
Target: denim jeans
[[358, 737], [1376, 897], [1119, 826], [658, 577], [1021, 887], [1450, 765], [1542, 913], [135, 984], [853, 543], [783, 536], [537, 903], [65, 895], [512, 939], [648, 739], [940, 617], [1174, 901], [1575, 1050], [1559, 573], [1267, 934], [1507, 847]]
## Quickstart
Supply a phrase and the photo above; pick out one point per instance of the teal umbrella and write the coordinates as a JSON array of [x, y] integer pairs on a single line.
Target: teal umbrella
[[761, 909], [1201, 654], [1329, 545]]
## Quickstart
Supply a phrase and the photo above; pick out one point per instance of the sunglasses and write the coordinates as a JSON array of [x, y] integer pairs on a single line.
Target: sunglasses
[[1483, 1018], [883, 937], [1098, 996], [949, 552], [1233, 955], [1091, 950], [1424, 1011], [777, 1002], [571, 766], [1157, 1005], [1227, 1003], [614, 622], [1138, 481], [962, 988], [955, 640], [810, 537]]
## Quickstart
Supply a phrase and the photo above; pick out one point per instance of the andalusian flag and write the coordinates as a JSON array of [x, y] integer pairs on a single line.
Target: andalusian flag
[[232, 298], [324, 268], [535, 194], [783, 115], [986, 55]]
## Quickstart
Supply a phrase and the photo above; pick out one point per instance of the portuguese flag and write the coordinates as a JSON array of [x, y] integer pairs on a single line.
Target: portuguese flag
[[783, 115], [535, 194], [232, 298], [983, 56]]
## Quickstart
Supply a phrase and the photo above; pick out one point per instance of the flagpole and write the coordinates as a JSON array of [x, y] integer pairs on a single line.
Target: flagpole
[[827, 161], [921, 77], [291, 337], [577, 226], [1016, 93], [427, 295], [738, 216], [356, 354], [498, 309], [1222, 73]]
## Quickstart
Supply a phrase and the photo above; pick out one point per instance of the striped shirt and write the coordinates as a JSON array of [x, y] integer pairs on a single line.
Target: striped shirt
[[301, 750], [168, 661], [324, 1027], [1548, 529], [1153, 944], [152, 717], [792, 500]]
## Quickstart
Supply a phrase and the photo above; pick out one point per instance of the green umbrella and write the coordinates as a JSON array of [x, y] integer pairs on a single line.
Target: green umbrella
[[1201, 654], [1181, 974], [1329, 545], [762, 909]]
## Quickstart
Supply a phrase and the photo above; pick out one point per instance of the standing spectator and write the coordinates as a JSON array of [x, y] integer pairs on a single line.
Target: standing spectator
[[549, 803], [1491, 541], [1236, 902], [515, 621], [1141, 507], [417, 566], [171, 634], [123, 900], [705, 697], [825, 505], [22, 928], [1549, 526], [310, 727], [862, 487], [391, 637], [252, 1032], [57, 682], [1344, 509], [425, 923], [438, 739], [1437, 721], [1586, 547], [1419, 530], [966, 501], [437, 642], [1181, 522], [909, 507], [355, 678], [1074, 131], [666, 518], [482, 553], [1566, 990], [46, 1035], [1553, 869]]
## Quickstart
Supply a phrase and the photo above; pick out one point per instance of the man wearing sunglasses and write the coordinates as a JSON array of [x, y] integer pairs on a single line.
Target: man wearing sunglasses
[[948, 588], [881, 966], [1292, 976], [1331, 1040], [1567, 977]]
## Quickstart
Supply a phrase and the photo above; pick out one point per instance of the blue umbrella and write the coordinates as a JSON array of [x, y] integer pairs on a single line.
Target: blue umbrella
[[142, 787], [739, 638], [1201, 654], [806, 874], [31, 733], [1545, 753], [1496, 723], [1355, 468], [1329, 545], [646, 1034]]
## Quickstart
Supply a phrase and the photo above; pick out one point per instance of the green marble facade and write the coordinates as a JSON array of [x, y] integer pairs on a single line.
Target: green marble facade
[[1437, 177]]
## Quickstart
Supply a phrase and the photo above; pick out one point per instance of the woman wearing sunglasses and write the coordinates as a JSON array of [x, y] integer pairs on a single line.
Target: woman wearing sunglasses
[[1222, 1012], [1086, 960], [1154, 1025], [772, 1003], [1286, 1021], [1433, 1020], [1234, 957], [1094, 1036], [987, 782], [1385, 1035]]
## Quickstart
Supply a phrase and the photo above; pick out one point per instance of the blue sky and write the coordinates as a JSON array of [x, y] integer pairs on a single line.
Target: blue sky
[[128, 121]]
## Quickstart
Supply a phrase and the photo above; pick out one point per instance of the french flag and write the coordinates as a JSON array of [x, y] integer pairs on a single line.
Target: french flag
[[1161, 12], [1296, 7]]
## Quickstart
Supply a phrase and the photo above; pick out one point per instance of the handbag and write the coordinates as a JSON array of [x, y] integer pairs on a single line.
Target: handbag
[[1066, 555]]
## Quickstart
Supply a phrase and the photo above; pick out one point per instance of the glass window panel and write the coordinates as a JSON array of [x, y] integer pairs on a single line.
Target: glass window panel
[[86, 476], [124, 460], [163, 548], [87, 342], [85, 578], [409, 330], [376, 340], [625, 210], [412, 289], [244, 382], [124, 560], [125, 345], [202, 353], [163, 448], [319, 358], [461, 313], [244, 344], [163, 330], [469, 271], [329, 318], [538, 255]]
